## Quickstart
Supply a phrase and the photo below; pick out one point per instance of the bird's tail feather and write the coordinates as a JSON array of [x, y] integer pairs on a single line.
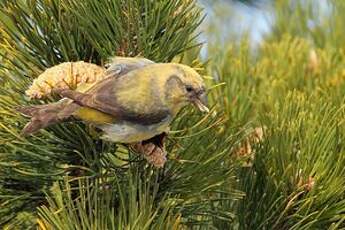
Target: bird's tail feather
[[46, 115]]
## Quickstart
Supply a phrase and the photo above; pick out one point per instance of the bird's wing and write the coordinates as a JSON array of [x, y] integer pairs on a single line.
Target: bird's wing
[[119, 66], [102, 98]]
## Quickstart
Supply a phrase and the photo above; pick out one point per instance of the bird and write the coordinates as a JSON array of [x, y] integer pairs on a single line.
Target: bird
[[131, 106]]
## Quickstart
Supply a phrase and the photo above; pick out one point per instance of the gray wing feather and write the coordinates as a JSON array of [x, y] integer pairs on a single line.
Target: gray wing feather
[[119, 66]]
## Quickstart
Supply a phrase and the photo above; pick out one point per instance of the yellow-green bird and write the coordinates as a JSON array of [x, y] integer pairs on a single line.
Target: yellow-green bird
[[128, 107]]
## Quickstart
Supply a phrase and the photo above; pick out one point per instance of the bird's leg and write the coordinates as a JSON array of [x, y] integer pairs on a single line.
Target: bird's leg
[[145, 149], [153, 150], [158, 140]]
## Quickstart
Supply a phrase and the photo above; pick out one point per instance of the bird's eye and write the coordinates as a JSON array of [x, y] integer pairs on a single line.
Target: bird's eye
[[189, 88]]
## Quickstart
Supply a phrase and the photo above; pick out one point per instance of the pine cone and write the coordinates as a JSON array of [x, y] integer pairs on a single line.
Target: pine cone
[[64, 76]]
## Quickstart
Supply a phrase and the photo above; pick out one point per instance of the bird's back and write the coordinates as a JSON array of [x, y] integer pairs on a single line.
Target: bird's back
[[141, 91]]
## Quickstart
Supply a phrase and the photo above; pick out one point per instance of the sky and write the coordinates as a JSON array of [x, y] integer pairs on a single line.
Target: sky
[[232, 19]]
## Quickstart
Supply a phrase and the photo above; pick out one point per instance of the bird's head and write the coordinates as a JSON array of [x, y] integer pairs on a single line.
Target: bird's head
[[185, 86]]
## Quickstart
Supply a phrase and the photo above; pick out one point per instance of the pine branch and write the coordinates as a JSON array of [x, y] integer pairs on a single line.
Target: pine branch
[[103, 204], [42, 33]]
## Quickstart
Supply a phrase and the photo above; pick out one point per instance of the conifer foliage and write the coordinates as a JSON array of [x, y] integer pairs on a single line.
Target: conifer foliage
[[269, 155], [66, 178]]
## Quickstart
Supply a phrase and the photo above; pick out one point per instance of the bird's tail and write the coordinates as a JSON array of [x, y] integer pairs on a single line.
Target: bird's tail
[[43, 116]]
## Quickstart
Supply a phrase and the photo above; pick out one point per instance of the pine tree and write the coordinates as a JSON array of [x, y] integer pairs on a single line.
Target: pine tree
[[65, 178], [269, 155], [292, 86]]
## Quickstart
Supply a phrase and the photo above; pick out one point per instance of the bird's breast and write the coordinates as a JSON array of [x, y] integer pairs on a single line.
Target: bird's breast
[[127, 132]]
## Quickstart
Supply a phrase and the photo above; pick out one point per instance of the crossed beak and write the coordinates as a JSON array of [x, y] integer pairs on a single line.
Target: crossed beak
[[200, 101]]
